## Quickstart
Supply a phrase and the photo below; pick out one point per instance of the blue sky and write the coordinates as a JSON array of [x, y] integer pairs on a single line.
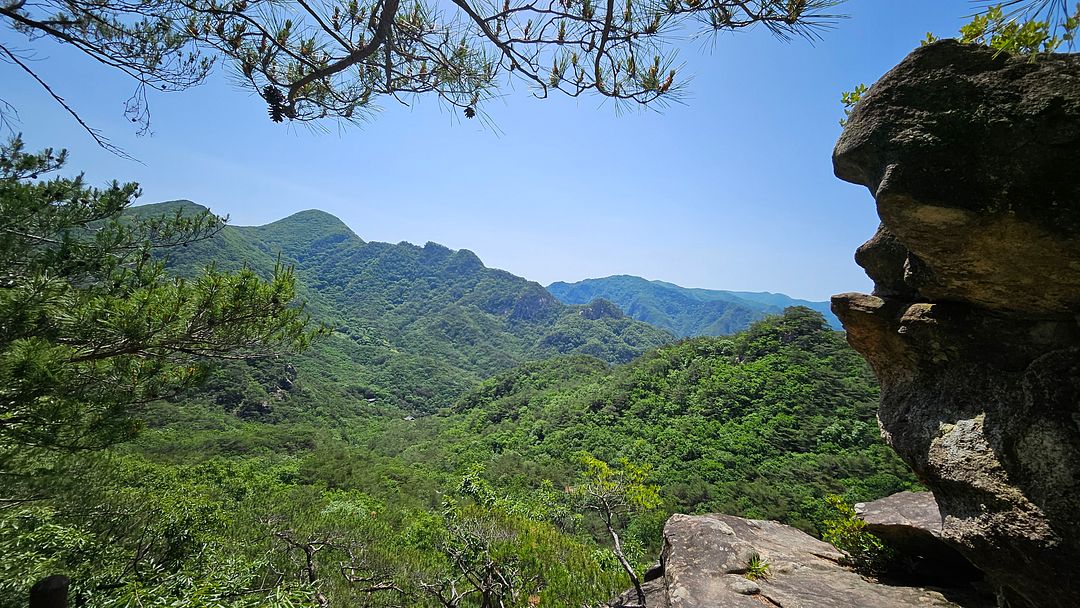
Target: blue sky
[[731, 190]]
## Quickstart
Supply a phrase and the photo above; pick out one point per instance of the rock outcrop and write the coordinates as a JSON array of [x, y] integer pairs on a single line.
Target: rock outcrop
[[910, 524], [706, 561], [973, 158]]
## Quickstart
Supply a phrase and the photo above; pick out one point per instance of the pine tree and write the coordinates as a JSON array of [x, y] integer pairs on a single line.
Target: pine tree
[[91, 324]]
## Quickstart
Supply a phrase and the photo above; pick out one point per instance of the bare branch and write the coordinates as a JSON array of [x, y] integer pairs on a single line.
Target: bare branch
[[98, 138]]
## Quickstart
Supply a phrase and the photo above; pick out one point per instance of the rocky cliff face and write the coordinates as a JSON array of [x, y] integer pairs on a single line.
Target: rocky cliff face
[[974, 162]]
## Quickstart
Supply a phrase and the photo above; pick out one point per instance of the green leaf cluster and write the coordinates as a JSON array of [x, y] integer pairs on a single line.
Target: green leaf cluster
[[843, 528], [1008, 34], [91, 324]]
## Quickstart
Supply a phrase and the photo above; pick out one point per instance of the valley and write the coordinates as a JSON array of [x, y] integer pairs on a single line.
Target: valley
[[196, 414], [448, 406]]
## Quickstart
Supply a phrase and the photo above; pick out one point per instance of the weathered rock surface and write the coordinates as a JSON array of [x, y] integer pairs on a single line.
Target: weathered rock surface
[[910, 523], [974, 162], [705, 560], [914, 511], [958, 141]]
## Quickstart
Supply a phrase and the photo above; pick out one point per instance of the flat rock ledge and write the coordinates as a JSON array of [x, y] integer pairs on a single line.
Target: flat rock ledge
[[910, 523], [706, 557]]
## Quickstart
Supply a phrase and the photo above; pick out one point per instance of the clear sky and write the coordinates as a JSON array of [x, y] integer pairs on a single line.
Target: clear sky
[[732, 190]]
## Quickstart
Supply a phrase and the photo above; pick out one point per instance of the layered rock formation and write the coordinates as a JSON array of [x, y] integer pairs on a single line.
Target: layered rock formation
[[973, 159], [706, 561]]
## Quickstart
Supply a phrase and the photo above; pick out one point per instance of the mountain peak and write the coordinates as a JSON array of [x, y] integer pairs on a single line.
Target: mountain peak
[[314, 219], [601, 309], [306, 231], [168, 207]]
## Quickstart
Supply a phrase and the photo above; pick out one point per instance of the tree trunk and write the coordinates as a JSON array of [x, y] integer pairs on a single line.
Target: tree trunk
[[626, 563]]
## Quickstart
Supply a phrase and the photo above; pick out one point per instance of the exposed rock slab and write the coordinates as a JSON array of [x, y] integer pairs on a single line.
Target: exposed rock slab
[[907, 510], [705, 560], [910, 523], [973, 158]]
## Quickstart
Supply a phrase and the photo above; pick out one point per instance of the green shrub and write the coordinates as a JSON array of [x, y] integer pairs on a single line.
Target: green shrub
[[756, 568], [845, 531]]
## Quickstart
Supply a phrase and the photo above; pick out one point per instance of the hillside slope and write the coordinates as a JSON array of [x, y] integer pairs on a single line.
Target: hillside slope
[[412, 326], [684, 311]]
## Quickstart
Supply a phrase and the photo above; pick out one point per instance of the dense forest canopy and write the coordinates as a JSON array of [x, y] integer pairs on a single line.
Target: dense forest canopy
[[175, 429], [413, 327], [208, 504]]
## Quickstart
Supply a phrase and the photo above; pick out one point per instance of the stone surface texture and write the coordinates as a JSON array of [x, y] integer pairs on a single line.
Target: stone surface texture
[[910, 510], [910, 523], [973, 159], [705, 560]]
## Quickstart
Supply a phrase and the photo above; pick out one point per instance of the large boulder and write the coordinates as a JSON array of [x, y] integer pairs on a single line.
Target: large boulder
[[973, 158], [706, 560]]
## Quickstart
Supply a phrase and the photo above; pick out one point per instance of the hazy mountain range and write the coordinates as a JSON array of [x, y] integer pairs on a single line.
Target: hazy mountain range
[[681, 310]]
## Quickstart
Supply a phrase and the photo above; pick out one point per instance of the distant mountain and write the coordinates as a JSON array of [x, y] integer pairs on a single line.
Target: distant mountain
[[413, 326], [681, 310]]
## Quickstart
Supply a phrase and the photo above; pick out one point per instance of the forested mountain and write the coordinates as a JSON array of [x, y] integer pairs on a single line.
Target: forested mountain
[[297, 482], [684, 311], [761, 424], [411, 326], [765, 423], [301, 482]]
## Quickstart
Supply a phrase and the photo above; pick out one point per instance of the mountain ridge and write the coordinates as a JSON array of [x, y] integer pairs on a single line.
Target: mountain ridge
[[413, 326], [685, 311]]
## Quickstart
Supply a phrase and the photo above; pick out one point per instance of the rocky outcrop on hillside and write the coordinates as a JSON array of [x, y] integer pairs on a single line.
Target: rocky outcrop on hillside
[[973, 158], [706, 564], [910, 524]]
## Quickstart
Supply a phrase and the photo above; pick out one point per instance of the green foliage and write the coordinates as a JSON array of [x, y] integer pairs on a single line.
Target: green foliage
[[845, 531], [756, 567], [1009, 34], [763, 424], [91, 326], [136, 533], [210, 504], [850, 98], [620, 489], [617, 492]]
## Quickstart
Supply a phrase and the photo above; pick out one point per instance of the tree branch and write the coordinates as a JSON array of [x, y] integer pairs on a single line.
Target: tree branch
[[98, 138], [386, 20]]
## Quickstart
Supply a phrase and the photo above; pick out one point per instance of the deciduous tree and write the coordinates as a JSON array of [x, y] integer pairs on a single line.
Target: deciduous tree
[[614, 492]]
